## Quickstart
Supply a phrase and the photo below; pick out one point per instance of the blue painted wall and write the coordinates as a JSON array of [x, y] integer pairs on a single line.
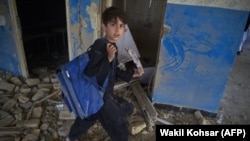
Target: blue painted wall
[[81, 25], [8, 51], [197, 55]]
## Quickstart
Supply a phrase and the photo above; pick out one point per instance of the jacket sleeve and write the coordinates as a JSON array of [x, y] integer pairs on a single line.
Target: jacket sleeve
[[98, 64]]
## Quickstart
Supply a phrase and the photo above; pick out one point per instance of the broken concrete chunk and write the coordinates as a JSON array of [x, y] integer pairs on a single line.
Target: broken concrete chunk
[[23, 99], [30, 137], [6, 86], [5, 119], [137, 127], [32, 123], [200, 118], [10, 131], [45, 85], [37, 112], [32, 81], [25, 89], [46, 79], [26, 106], [54, 80], [34, 90], [15, 80], [66, 115], [136, 124], [9, 104], [3, 99], [56, 86], [55, 135], [64, 129], [36, 132], [16, 89], [3, 114], [45, 90], [18, 115], [40, 94], [44, 126]]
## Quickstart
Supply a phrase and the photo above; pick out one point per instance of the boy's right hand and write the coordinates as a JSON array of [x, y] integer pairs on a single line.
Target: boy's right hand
[[111, 49], [139, 72]]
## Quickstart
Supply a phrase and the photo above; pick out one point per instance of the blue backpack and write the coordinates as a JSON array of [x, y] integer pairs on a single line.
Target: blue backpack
[[81, 94]]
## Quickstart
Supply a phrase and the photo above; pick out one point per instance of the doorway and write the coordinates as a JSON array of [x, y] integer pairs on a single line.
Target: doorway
[[44, 32], [145, 20]]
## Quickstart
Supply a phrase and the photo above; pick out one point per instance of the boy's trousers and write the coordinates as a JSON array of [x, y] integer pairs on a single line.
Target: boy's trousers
[[111, 118]]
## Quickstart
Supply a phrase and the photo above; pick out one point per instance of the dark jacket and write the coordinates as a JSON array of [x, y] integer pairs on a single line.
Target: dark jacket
[[100, 66]]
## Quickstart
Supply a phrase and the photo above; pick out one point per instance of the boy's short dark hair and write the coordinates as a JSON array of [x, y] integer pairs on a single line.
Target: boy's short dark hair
[[112, 13]]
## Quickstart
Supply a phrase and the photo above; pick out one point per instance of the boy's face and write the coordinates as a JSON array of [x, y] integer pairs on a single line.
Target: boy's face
[[114, 29]]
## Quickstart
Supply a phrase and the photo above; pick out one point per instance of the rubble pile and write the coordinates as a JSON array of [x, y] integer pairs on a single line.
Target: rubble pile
[[31, 109]]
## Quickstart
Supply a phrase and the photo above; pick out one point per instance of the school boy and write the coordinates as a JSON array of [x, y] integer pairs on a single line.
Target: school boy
[[102, 55]]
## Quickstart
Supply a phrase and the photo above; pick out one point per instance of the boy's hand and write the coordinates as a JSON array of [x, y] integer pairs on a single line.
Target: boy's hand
[[111, 49], [139, 72]]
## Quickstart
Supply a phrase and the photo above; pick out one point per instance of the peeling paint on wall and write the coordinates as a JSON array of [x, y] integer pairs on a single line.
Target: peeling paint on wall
[[8, 52], [95, 18], [84, 25], [196, 55], [243, 5]]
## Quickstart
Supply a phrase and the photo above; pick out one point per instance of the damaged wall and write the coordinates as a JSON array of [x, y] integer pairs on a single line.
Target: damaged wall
[[197, 54], [83, 21], [83, 25], [9, 60], [242, 5]]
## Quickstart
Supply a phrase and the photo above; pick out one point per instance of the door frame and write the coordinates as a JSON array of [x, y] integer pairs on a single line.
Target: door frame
[[18, 38], [17, 33]]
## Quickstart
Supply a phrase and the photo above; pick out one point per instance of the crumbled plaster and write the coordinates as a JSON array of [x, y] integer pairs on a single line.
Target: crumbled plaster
[[80, 38], [94, 14]]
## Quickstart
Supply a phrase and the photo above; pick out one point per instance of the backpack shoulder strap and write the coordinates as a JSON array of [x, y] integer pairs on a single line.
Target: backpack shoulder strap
[[102, 39]]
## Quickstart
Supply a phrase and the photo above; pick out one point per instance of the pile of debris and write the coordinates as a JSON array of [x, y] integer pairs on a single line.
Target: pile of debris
[[32, 109]]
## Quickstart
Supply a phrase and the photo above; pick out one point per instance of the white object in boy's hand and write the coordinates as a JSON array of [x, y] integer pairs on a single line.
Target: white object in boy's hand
[[134, 57]]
